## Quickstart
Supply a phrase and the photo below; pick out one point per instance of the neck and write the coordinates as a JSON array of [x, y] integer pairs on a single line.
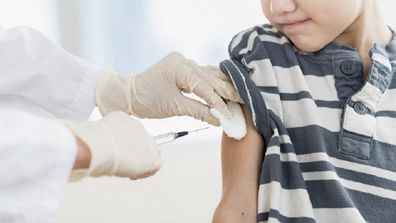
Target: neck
[[367, 29]]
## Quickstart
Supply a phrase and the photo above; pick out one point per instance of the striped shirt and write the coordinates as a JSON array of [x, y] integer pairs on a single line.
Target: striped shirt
[[330, 153]]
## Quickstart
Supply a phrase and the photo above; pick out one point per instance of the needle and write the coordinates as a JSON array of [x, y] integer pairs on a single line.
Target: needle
[[172, 136], [196, 130]]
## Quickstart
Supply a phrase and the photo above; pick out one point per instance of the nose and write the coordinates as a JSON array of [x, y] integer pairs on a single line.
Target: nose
[[278, 7]]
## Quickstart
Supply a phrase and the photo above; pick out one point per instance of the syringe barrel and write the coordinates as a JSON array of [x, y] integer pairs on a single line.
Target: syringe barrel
[[165, 138]]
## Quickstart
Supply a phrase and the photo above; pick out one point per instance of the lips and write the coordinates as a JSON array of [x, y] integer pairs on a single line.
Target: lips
[[294, 25], [296, 22]]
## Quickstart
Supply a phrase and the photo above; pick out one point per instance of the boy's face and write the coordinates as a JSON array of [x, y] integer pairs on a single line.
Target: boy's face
[[312, 24]]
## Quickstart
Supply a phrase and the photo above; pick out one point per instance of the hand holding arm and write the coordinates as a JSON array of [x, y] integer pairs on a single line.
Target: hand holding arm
[[157, 92]]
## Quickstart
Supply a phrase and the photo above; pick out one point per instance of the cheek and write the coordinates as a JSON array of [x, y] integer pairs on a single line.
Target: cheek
[[328, 29], [265, 7], [338, 14]]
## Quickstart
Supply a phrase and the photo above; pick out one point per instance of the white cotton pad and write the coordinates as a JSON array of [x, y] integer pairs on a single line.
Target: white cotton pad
[[235, 127]]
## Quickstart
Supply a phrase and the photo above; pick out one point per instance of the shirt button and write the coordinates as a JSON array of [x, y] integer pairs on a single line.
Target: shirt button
[[360, 108], [348, 67]]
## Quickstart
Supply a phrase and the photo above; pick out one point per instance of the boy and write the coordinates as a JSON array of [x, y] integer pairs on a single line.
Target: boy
[[319, 85]]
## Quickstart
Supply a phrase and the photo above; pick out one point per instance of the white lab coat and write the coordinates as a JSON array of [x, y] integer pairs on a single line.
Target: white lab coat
[[39, 83]]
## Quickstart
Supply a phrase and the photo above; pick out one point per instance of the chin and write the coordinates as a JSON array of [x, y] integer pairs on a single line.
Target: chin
[[309, 48], [308, 44]]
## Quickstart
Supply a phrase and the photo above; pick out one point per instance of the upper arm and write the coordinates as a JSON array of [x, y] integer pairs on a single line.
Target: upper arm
[[252, 139], [242, 159]]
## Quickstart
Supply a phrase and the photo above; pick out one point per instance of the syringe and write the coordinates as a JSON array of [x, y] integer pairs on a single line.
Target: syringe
[[172, 136]]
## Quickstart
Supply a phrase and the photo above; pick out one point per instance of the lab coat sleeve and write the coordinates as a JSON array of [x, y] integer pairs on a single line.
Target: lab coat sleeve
[[39, 77], [36, 157]]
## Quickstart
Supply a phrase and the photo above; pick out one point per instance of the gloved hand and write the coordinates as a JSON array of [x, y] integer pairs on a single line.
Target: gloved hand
[[119, 145], [157, 92]]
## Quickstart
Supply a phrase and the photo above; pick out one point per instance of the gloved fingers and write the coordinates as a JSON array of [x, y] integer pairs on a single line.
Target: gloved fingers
[[156, 164], [184, 73], [144, 175], [216, 72], [195, 109], [206, 72], [186, 77], [192, 78], [226, 90], [199, 86], [219, 82], [137, 154], [175, 56], [213, 99]]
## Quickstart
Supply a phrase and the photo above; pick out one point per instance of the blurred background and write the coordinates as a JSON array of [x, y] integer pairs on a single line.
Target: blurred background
[[129, 36]]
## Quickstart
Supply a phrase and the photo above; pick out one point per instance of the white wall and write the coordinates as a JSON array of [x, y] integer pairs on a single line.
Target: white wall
[[40, 14], [202, 29], [388, 8], [131, 35]]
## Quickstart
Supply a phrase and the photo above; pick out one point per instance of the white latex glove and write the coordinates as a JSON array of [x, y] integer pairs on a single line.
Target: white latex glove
[[157, 92], [119, 145]]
